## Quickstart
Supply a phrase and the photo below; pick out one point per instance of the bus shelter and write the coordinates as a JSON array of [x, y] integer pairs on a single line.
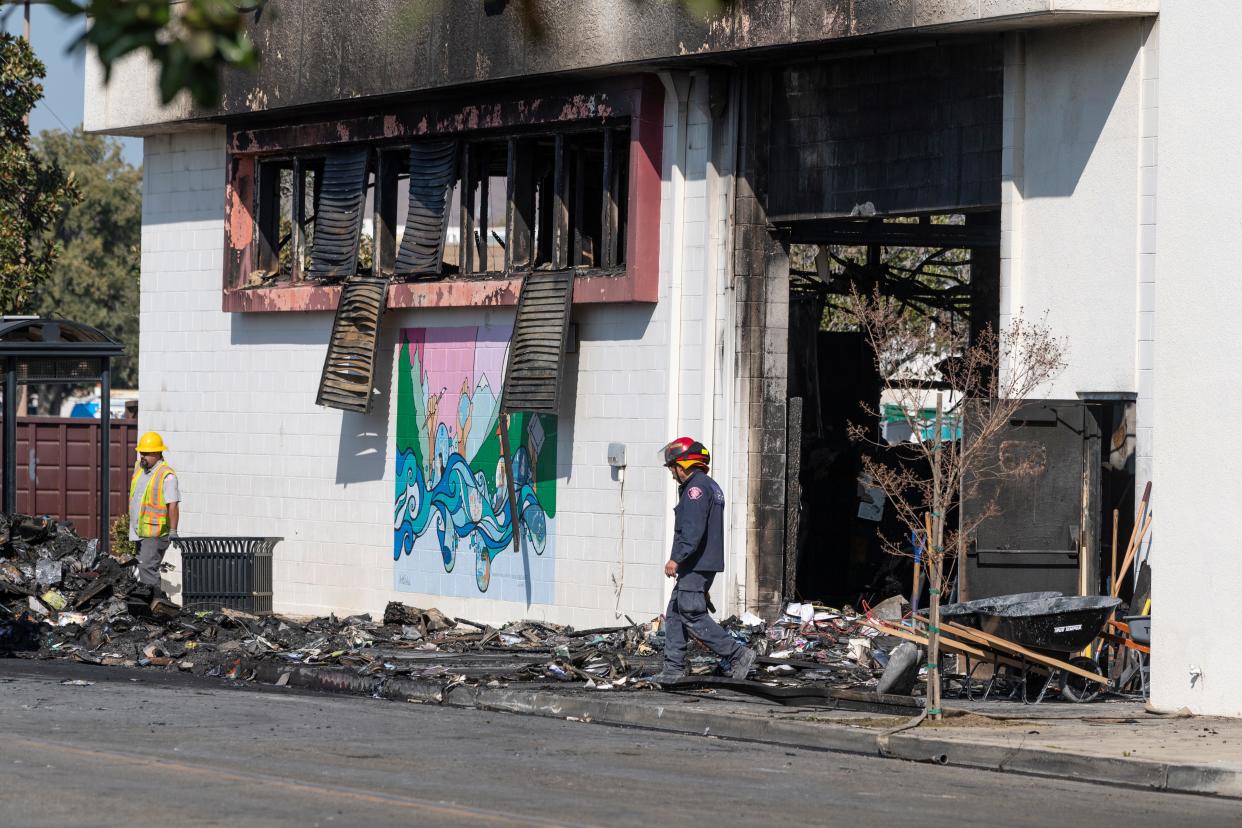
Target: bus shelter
[[38, 351]]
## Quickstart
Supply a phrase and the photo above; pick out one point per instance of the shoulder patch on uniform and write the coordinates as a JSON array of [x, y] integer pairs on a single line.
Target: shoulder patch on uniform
[[694, 492]]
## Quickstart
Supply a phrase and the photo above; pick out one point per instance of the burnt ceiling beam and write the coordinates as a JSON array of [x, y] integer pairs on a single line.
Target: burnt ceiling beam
[[847, 232]]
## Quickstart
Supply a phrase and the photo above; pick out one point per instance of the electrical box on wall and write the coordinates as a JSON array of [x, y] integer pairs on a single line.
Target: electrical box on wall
[[616, 455]]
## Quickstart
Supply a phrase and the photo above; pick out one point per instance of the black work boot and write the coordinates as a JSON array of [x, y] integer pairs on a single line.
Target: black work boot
[[742, 663], [138, 601], [140, 594], [669, 675]]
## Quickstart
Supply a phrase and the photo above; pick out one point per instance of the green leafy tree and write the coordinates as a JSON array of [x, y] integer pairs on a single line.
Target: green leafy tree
[[189, 40], [33, 193], [96, 279]]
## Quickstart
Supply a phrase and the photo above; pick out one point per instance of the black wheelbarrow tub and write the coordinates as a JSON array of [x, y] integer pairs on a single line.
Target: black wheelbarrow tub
[[1059, 625], [967, 612]]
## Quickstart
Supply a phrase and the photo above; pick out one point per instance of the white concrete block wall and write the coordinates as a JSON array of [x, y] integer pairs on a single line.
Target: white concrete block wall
[[1195, 577], [1070, 196], [1148, 167], [726, 435], [1013, 160], [707, 302], [621, 377], [234, 394], [705, 356]]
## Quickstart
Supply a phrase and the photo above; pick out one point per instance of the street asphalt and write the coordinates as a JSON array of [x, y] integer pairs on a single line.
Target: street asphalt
[[144, 748]]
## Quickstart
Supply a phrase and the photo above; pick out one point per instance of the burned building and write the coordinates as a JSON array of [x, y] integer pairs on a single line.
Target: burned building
[[406, 230]]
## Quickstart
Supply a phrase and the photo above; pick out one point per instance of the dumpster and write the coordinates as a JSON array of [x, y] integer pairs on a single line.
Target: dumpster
[[227, 572]]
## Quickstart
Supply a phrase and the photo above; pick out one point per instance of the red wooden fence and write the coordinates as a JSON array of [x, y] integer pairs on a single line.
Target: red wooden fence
[[58, 468]]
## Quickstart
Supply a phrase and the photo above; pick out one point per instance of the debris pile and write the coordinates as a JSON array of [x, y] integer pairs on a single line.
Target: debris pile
[[62, 597], [837, 639], [52, 579]]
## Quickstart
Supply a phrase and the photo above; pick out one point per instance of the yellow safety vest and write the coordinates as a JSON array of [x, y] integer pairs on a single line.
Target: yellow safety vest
[[153, 515]]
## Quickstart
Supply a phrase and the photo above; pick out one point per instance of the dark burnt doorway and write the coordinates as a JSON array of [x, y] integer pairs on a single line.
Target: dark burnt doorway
[[876, 170], [944, 268]]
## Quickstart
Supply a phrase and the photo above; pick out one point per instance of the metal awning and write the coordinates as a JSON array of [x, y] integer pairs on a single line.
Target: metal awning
[[36, 336], [35, 350]]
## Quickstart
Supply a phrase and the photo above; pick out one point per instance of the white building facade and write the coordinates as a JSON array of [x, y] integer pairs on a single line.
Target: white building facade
[[692, 335]]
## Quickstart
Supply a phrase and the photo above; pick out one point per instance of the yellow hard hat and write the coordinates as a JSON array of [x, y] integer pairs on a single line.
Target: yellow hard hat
[[151, 443]]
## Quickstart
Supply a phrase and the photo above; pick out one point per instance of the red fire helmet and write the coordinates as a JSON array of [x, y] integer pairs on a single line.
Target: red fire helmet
[[686, 452]]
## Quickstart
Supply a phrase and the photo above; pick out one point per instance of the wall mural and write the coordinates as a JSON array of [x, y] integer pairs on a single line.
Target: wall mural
[[452, 528]]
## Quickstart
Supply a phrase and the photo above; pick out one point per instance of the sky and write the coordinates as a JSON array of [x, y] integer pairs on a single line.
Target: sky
[[61, 107]]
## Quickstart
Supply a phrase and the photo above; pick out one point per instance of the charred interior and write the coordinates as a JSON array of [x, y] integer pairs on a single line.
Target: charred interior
[[844, 534], [881, 175]]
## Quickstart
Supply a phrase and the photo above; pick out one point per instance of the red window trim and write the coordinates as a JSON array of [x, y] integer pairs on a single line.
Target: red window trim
[[640, 98]]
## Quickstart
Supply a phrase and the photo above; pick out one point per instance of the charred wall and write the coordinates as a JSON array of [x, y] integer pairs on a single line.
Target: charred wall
[[906, 132], [761, 279], [316, 53]]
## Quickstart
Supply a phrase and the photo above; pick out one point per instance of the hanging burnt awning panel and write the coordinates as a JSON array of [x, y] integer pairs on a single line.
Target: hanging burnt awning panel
[[349, 368], [338, 214], [537, 349], [433, 167]]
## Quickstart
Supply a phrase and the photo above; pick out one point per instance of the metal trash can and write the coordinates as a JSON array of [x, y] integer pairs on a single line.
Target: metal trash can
[[227, 572]]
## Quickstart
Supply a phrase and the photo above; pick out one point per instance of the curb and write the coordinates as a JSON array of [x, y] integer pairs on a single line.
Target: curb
[[1135, 773]]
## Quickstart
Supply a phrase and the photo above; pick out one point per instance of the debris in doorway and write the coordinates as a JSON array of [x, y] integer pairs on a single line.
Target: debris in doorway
[[891, 609]]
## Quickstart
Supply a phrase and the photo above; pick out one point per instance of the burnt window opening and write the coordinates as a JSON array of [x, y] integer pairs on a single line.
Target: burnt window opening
[[479, 209], [276, 196], [288, 204], [391, 173], [367, 232], [586, 191], [536, 195], [569, 200], [447, 207], [308, 174]]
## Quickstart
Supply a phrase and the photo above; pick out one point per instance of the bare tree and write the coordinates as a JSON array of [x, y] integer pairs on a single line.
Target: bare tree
[[977, 388]]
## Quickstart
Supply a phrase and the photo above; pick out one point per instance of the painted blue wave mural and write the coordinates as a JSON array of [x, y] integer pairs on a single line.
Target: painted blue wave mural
[[451, 498], [467, 514]]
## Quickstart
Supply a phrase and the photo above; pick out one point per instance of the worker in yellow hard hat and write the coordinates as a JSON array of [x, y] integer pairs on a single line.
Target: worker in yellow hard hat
[[154, 509]]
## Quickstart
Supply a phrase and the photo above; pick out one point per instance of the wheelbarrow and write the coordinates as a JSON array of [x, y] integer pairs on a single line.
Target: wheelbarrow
[[1056, 628], [967, 613]]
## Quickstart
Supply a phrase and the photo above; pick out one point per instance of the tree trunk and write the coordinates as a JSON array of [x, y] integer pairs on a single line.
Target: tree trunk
[[935, 576]]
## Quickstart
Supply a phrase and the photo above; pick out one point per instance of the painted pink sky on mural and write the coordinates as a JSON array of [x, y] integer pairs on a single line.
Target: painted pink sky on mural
[[453, 357]]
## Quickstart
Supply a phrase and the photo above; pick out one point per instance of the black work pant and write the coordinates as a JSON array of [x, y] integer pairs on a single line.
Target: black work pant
[[687, 614]]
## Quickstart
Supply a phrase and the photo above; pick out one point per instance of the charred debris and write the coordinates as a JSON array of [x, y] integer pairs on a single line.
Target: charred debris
[[61, 597]]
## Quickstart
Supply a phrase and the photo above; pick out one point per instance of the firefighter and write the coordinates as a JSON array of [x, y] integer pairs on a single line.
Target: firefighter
[[696, 557], [154, 509]]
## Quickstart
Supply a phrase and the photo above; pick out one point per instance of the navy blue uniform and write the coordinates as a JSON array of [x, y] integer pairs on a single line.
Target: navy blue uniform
[[698, 549], [698, 526]]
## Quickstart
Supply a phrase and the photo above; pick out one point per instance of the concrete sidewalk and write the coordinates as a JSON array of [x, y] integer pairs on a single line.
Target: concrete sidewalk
[[1116, 743]]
